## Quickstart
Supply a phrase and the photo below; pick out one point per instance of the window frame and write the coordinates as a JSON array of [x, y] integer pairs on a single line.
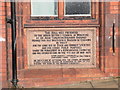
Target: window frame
[[76, 14], [61, 21], [42, 15], [61, 11], [59, 7]]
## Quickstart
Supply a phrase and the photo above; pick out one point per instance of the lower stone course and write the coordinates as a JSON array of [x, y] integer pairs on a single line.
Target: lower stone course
[[108, 83]]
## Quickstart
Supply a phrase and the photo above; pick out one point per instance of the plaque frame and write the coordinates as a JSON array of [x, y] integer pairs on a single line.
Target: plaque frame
[[96, 49]]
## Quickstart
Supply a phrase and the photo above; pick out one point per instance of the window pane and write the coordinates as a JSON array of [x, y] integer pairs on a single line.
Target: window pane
[[41, 8], [77, 7]]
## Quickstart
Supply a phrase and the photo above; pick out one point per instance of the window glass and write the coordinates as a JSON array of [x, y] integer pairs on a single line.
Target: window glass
[[77, 7], [43, 8]]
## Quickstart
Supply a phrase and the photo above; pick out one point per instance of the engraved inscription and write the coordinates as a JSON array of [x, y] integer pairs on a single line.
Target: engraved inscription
[[61, 48]]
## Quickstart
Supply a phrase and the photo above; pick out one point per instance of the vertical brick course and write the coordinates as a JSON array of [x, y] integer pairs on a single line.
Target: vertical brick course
[[112, 12], [3, 44]]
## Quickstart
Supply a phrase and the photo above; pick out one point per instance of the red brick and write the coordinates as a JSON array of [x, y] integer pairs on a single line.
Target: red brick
[[114, 3], [114, 12], [114, 7], [69, 72], [42, 77], [43, 73]]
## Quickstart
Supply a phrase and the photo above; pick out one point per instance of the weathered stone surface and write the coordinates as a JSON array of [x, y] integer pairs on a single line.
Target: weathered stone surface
[[61, 48]]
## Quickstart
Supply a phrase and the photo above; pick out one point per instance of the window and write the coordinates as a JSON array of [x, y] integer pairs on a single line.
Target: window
[[40, 8], [61, 13], [77, 8], [61, 8]]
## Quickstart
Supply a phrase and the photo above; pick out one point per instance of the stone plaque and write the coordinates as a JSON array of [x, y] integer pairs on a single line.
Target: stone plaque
[[61, 47]]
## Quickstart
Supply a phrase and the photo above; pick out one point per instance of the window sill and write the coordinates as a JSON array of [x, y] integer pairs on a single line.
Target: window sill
[[65, 18], [60, 25]]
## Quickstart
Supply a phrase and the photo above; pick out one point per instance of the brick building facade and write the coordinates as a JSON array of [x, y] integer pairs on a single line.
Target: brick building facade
[[104, 14]]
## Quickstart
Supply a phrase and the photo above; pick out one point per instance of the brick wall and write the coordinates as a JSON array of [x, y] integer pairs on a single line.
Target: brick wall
[[41, 77], [3, 70], [119, 39], [111, 62], [5, 33]]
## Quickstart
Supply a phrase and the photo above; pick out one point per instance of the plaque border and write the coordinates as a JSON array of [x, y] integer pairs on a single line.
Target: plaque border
[[95, 57]]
